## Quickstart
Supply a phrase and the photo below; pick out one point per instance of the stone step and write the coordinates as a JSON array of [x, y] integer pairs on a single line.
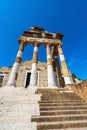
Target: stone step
[[59, 118], [62, 108], [66, 91], [83, 128], [18, 126], [63, 112], [9, 88], [62, 104], [19, 108], [31, 110], [20, 98], [18, 102], [16, 112], [52, 90], [19, 113], [57, 95], [13, 95], [7, 104], [20, 105], [25, 93], [37, 99], [16, 91], [60, 98], [13, 119], [61, 101], [61, 124]]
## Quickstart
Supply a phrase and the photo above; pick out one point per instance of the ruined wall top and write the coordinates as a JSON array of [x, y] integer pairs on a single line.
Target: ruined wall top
[[42, 37]]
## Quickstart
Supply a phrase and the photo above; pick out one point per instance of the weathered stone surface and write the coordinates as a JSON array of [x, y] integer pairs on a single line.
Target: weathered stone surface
[[81, 89]]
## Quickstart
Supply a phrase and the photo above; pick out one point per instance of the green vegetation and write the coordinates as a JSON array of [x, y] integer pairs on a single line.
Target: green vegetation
[[74, 76]]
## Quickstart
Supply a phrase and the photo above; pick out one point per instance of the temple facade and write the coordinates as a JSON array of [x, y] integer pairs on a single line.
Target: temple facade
[[54, 73]]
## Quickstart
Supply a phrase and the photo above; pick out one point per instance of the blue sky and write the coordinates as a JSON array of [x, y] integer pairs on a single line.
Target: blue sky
[[66, 16]]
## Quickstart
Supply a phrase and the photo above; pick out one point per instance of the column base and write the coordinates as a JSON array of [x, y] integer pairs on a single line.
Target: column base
[[60, 87], [52, 86], [66, 85], [67, 80], [35, 86], [10, 85]]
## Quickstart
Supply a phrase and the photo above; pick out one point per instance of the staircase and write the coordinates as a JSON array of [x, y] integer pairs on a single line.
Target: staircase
[[61, 109], [41, 109], [17, 105]]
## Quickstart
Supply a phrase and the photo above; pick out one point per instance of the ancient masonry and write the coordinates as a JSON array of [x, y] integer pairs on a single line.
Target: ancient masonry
[[54, 74], [40, 96]]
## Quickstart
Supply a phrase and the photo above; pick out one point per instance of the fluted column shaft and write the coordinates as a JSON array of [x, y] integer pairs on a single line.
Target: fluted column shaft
[[51, 82], [14, 73], [34, 75], [65, 71]]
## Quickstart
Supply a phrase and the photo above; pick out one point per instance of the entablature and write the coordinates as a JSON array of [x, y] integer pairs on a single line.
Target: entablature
[[38, 35], [40, 41]]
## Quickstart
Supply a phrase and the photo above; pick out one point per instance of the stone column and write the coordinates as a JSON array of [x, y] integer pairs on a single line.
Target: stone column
[[54, 67], [51, 82], [65, 70], [14, 73], [60, 79], [34, 74]]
